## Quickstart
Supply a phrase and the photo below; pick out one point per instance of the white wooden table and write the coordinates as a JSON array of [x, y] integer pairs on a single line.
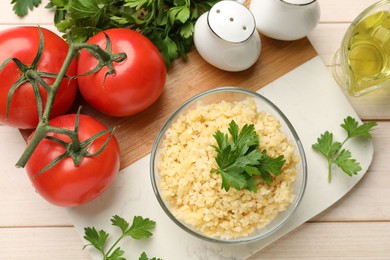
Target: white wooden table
[[357, 227]]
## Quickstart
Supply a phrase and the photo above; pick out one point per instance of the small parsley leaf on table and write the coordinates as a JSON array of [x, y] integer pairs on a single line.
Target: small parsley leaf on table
[[333, 152], [21, 7], [240, 159], [144, 256], [139, 229]]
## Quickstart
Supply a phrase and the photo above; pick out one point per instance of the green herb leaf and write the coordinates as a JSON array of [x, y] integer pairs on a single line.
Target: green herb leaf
[[325, 145], [141, 228], [346, 163], [120, 222], [137, 4], [233, 178], [82, 9], [21, 7], [144, 256], [117, 254], [171, 48], [240, 159], [53, 3], [272, 165], [97, 239], [333, 152], [187, 30], [353, 129]]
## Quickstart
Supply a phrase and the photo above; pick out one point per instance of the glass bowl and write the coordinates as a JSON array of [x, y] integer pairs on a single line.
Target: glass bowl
[[214, 96]]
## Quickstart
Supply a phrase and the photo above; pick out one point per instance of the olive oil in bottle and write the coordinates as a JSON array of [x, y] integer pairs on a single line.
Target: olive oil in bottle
[[368, 52]]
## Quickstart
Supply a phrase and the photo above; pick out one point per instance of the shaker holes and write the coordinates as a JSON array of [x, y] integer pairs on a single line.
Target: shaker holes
[[231, 19], [218, 11], [244, 28]]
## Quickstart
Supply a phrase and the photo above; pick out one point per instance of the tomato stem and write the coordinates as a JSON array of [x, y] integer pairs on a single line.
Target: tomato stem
[[105, 57], [42, 130], [54, 88]]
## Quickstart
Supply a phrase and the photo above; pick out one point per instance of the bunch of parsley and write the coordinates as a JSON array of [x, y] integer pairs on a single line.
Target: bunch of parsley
[[240, 159], [169, 24]]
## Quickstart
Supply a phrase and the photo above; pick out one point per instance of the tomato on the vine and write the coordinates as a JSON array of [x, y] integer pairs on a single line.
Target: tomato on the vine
[[22, 43], [138, 81], [66, 184]]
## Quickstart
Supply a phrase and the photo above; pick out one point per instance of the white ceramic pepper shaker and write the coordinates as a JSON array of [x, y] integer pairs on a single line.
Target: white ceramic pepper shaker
[[226, 36], [285, 19]]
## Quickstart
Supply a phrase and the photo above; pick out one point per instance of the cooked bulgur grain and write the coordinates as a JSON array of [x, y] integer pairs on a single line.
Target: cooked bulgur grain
[[194, 193]]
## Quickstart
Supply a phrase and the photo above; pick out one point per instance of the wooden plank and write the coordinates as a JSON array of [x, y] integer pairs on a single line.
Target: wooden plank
[[41, 244], [342, 11], [332, 241], [326, 40], [372, 106]]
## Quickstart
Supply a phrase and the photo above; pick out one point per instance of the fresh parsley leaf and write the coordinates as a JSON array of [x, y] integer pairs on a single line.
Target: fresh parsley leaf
[[97, 239], [137, 4], [346, 163], [86, 9], [58, 3], [187, 30], [144, 256], [21, 7], [267, 178], [140, 228], [117, 254], [270, 164], [325, 145], [120, 222], [353, 129], [240, 159], [233, 178], [333, 152]]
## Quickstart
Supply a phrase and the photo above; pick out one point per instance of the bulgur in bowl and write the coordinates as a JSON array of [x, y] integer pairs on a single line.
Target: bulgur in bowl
[[188, 186]]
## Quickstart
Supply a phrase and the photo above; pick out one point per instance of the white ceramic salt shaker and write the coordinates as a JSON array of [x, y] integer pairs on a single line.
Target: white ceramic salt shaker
[[285, 19], [226, 36]]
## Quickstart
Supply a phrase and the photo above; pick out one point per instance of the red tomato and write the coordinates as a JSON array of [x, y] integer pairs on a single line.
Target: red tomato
[[66, 184], [22, 43], [138, 80]]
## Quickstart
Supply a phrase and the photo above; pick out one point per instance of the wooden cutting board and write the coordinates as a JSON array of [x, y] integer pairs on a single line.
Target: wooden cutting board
[[136, 133]]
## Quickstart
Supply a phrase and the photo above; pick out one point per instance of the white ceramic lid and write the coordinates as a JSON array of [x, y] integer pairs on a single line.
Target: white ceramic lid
[[231, 21], [298, 2]]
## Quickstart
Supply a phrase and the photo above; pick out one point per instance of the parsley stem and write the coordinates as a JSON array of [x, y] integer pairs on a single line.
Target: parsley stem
[[346, 139], [330, 162], [113, 246]]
